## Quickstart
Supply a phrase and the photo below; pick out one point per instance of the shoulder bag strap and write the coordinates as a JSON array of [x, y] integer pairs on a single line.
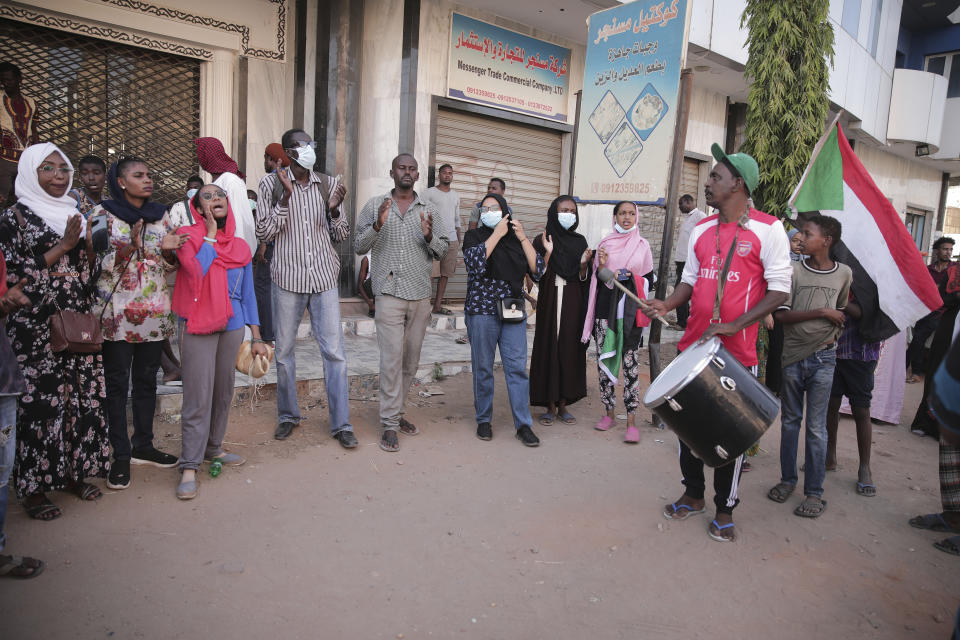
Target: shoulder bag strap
[[722, 276]]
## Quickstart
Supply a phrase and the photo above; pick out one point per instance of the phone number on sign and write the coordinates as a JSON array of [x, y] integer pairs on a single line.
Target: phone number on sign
[[620, 187]]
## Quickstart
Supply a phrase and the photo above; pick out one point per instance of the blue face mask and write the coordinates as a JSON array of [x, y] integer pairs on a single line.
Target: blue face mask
[[621, 229], [566, 219], [253, 204], [491, 218], [191, 193]]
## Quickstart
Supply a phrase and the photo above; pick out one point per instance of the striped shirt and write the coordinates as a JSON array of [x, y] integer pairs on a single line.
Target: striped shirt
[[402, 261], [304, 259]]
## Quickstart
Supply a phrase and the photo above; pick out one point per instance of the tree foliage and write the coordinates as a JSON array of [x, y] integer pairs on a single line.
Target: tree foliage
[[790, 52]]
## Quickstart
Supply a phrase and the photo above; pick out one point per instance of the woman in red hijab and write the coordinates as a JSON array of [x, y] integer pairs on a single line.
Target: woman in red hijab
[[214, 292]]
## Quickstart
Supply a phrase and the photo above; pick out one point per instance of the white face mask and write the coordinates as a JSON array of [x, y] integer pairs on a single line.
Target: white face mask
[[621, 229], [491, 218], [566, 219], [191, 193], [253, 204], [306, 157]]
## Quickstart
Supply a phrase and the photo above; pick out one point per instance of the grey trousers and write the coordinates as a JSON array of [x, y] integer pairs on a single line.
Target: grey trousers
[[208, 363], [401, 325]]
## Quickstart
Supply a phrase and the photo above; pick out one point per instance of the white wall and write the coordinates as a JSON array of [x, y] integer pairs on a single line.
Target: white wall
[[705, 125], [904, 182]]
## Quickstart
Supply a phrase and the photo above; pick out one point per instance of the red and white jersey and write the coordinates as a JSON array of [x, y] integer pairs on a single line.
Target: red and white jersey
[[761, 261]]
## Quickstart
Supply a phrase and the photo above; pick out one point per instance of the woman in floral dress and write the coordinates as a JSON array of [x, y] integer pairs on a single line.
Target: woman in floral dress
[[137, 317], [61, 431]]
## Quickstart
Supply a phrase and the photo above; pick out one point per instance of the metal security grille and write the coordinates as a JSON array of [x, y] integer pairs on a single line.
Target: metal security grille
[[479, 148], [94, 96]]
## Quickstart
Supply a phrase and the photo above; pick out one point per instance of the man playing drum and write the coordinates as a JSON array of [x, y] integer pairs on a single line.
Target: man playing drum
[[748, 250]]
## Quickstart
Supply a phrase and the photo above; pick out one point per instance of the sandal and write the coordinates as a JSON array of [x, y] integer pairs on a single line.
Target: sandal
[[949, 545], [20, 567], [604, 423], [866, 489], [673, 511], [932, 522], [715, 531], [85, 491], [546, 419], [811, 507], [781, 492], [389, 442], [408, 428], [567, 418], [632, 436], [43, 510], [463, 340]]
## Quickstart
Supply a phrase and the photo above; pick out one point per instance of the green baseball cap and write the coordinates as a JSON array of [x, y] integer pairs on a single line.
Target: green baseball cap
[[744, 166]]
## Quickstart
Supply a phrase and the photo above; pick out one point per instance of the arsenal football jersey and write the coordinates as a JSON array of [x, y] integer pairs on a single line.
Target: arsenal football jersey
[[761, 261]]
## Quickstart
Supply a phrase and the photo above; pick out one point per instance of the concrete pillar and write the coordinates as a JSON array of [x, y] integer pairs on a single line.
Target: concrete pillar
[[217, 98]]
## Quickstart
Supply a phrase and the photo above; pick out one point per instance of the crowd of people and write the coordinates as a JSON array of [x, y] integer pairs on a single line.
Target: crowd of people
[[99, 283]]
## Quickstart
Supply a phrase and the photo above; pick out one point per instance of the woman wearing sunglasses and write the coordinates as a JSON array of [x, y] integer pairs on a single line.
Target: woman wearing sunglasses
[[214, 292], [497, 255], [136, 317]]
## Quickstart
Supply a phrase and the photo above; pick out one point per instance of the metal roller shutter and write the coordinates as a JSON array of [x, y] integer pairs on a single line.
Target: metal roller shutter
[[690, 180], [479, 148]]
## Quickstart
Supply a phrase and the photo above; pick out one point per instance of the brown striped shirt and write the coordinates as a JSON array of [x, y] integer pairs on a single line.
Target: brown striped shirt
[[303, 233]]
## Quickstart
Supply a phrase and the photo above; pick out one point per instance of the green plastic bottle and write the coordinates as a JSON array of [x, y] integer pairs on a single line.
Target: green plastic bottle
[[215, 468]]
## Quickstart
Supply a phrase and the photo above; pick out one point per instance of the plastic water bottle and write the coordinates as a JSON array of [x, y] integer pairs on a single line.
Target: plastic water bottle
[[215, 468]]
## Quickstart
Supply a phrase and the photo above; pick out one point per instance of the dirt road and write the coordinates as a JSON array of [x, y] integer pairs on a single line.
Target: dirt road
[[453, 537]]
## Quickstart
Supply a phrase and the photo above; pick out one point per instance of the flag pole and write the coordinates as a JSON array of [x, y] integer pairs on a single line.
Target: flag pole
[[813, 156]]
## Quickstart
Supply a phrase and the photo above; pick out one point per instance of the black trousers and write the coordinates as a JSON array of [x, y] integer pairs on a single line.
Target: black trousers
[[726, 480], [124, 362], [263, 290], [683, 311]]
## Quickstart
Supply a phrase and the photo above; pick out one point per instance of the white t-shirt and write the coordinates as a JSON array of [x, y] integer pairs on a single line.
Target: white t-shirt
[[179, 215], [448, 204], [686, 228]]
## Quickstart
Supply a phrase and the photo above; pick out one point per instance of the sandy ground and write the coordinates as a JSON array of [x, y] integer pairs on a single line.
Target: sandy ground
[[453, 537]]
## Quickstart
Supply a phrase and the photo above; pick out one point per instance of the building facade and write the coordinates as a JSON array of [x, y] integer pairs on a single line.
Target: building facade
[[369, 79]]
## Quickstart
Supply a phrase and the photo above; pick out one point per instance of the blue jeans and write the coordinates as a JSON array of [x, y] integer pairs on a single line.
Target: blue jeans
[[324, 308], [8, 450], [814, 376], [486, 332]]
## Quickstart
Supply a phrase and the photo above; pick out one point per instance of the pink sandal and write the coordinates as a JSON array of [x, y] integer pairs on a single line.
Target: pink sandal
[[605, 423], [633, 435]]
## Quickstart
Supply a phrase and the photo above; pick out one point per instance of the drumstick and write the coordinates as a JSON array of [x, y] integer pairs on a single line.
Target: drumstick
[[606, 275]]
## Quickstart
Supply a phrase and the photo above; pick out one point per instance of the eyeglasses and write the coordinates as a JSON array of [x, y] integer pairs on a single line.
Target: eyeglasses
[[209, 195], [300, 143], [486, 209], [49, 169]]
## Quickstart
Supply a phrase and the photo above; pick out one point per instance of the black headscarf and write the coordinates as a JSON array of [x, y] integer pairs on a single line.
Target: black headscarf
[[121, 207], [568, 246], [507, 261]]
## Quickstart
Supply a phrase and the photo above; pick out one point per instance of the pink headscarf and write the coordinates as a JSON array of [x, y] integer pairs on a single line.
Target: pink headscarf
[[629, 251]]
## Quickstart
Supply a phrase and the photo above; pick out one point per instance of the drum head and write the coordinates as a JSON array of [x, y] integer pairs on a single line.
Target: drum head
[[680, 372]]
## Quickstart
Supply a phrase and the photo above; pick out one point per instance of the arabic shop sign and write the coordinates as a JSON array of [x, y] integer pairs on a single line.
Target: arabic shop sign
[[505, 69], [628, 107]]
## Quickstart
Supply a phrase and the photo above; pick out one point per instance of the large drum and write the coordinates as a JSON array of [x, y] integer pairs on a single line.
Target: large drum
[[712, 402]]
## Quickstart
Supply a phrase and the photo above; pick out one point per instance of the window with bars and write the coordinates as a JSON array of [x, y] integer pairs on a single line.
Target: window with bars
[[95, 96]]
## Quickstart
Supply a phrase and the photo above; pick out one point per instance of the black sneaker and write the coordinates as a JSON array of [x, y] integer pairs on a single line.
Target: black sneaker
[[346, 439], [485, 431], [153, 457], [284, 429], [119, 477], [527, 437]]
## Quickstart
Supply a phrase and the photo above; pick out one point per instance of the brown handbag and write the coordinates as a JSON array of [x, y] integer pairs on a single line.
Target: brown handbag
[[75, 332]]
